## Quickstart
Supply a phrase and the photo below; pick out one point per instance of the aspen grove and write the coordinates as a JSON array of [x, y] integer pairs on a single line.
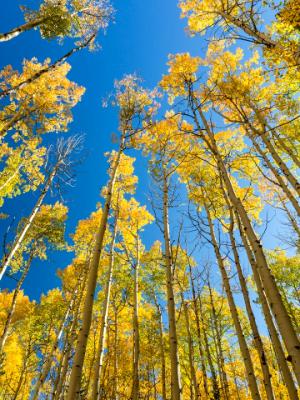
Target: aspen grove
[[183, 282]]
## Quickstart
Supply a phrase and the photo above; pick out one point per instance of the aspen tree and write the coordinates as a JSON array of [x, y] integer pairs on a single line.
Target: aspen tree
[[78, 19], [242, 342], [163, 150], [61, 168], [133, 102], [277, 42], [48, 229]]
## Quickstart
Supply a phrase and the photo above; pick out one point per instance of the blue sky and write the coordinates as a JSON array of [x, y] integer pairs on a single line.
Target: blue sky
[[139, 41]]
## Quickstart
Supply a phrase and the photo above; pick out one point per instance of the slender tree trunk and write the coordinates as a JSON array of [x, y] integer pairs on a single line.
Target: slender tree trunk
[[259, 37], [278, 177], [49, 358], [47, 69], [273, 295], [216, 390], [201, 353], [191, 349], [218, 338], [285, 148], [18, 241], [115, 377], [279, 352], [76, 373], [136, 330], [162, 353], [256, 336], [176, 389], [266, 140], [14, 302], [100, 350], [71, 335], [60, 366], [291, 218], [234, 314], [4, 37], [17, 117]]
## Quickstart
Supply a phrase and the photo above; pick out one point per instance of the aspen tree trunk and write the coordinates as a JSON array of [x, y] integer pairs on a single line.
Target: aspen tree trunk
[[256, 336], [14, 303], [154, 384], [18, 241], [70, 339], [291, 218], [4, 37], [100, 350], [47, 69], [285, 148], [162, 355], [63, 373], [260, 37], [49, 359], [201, 354], [266, 140], [18, 116], [115, 377], [58, 372], [191, 349], [136, 333], [176, 389], [76, 373], [216, 390], [218, 340], [234, 314], [278, 177], [273, 295], [279, 352], [105, 387]]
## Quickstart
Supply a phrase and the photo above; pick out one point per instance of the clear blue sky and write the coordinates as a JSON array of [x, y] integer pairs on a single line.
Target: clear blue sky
[[139, 41]]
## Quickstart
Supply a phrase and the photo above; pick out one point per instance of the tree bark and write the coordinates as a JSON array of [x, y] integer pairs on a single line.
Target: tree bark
[[162, 354], [216, 390], [218, 340], [191, 349], [136, 329], [103, 330], [4, 37], [201, 353], [176, 389]]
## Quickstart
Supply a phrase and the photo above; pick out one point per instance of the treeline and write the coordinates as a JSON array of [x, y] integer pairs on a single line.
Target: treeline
[[132, 322]]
